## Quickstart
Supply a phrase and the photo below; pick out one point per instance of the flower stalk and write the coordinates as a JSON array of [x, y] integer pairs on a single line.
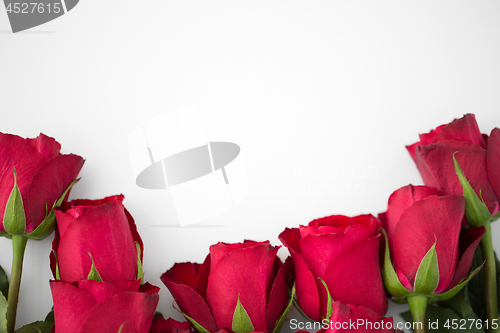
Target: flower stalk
[[18, 248], [490, 276], [418, 305]]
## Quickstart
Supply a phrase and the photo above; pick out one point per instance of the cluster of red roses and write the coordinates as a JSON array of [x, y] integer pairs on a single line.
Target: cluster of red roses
[[335, 271]]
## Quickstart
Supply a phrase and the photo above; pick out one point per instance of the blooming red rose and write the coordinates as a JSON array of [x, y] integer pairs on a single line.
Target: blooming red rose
[[478, 156], [418, 219], [103, 307], [43, 175], [344, 253], [101, 230], [245, 275]]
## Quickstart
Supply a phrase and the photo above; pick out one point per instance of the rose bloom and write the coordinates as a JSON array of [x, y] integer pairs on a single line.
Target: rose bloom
[[103, 307], [416, 218], [102, 228], [161, 325], [350, 318], [249, 271], [478, 156], [344, 253], [43, 174]]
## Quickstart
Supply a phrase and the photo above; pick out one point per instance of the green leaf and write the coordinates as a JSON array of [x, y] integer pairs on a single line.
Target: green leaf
[[140, 272], [281, 321], [196, 326], [329, 308], [4, 283], [453, 291], [93, 274], [427, 277], [36, 327], [50, 316], [459, 304], [391, 279], [475, 209], [48, 224], [241, 320], [3, 313], [14, 219]]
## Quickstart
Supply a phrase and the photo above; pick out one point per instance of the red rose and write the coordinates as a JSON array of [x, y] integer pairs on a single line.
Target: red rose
[[247, 275], [478, 156], [344, 253], [43, 175], [103, 307], [102, 229], [418, 219]]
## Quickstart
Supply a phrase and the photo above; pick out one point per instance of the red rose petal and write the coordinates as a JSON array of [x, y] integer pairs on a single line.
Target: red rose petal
[[493, 160]]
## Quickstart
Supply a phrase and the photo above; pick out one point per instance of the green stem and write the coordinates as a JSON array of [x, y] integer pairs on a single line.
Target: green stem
[[18, 247], [418, 304], [490, 276]]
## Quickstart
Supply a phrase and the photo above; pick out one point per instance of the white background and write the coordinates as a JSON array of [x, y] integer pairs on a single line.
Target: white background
[[321, 96]]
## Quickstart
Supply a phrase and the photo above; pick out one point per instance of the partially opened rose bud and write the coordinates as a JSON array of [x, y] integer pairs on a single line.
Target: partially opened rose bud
[[35, 179]]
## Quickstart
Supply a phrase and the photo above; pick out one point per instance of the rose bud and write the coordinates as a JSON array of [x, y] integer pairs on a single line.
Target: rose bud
[[428, 254], [337, 258], [477, 155], [240, 287], [96, 231], [103, 307], [35, 179]]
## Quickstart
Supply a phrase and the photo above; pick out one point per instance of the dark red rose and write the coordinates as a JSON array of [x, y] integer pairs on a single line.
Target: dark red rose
[[477, 155], [344, 253], [43, 175], [248, 273], [102, 229]]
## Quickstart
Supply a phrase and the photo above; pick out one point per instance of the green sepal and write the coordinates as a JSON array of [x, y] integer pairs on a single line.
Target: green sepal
[[427, 276], [36, 327], [453, 291], [3, 313], [48, 224], [93, 274], [14, 218], [475, 209], [121, 327], [4, 284], [495, 217], [391, 279], [58, 276], [195, 324], [140, 272], [241, 321], [329, 309], [281, 321]]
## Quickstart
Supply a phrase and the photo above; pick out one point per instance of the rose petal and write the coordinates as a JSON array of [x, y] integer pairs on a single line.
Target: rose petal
[[278, 299], [182, 273], [307, 291], [160, 325], [134, 310], [291, 239], [192, 304], [354, 277], [46, 146], [101, 291], [71, 306]]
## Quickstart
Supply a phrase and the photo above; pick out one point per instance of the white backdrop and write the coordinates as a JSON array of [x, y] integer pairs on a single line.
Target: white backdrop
[[321, 96]]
